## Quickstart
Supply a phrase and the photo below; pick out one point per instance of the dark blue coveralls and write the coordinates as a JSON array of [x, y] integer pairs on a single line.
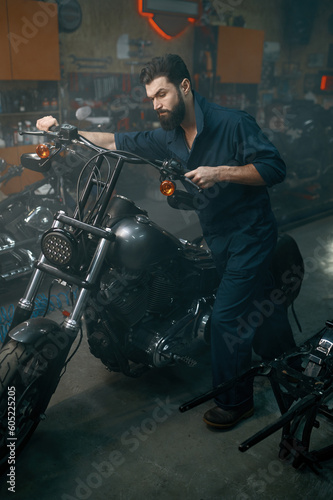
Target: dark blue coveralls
[[240, 229]]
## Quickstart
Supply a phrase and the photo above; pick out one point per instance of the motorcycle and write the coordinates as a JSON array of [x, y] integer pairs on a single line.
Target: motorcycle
[[24, 216], [302, 132], [143, 296]]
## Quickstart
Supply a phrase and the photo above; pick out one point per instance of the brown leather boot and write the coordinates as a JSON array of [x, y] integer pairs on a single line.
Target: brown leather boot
[[226, 419]]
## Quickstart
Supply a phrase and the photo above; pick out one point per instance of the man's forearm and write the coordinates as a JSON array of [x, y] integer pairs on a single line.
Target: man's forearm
[[206, 177], [103, 139], [246, 174]]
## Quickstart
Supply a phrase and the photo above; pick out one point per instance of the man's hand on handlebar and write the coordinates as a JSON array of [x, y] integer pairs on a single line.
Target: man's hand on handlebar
[[46, 123], [102, 139]]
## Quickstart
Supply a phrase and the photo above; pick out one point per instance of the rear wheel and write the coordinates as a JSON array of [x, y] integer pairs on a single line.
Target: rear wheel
[[26, 375]]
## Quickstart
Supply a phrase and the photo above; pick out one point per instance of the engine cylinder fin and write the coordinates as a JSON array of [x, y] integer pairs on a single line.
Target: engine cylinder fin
[[126, 295], [162, 292]]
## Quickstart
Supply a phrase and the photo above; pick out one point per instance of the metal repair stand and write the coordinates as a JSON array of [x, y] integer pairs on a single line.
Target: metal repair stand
[[300, 394]]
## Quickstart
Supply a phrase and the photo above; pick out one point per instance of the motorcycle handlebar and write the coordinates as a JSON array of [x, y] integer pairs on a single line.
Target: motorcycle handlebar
[[66, 134], [13, 171]]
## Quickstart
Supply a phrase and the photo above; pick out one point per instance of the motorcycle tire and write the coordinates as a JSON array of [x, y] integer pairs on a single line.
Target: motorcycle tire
[[25, 391]]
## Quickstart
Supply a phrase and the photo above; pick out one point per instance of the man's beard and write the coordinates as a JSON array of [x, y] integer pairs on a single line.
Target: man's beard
[[172, 119]]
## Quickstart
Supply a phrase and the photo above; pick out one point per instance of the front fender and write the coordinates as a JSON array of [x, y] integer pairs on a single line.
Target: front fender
[[33, 329]]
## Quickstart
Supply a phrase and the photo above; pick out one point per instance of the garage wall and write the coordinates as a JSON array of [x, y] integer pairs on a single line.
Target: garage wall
[[104, 21]]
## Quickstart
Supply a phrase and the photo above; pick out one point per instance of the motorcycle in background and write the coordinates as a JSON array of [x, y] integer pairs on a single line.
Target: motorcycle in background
[[302, 132], [25, 215]]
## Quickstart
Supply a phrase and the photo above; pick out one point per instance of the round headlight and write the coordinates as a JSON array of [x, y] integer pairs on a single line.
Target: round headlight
[[59, 247]]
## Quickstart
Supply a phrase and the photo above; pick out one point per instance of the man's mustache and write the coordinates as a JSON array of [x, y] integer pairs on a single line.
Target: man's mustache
[[160, 111]]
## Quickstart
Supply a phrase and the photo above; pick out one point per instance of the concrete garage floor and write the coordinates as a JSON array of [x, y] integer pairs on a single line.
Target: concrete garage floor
[[110, 437]]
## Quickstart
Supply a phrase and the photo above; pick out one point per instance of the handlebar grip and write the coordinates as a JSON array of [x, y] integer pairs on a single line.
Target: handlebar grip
[[32, 132], [54, 128]]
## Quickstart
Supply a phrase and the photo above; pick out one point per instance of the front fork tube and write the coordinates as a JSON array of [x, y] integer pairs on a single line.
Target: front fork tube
[[26, 304], [73, 322]]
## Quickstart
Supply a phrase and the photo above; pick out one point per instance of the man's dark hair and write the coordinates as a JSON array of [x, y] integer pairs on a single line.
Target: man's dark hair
[[171, 66]]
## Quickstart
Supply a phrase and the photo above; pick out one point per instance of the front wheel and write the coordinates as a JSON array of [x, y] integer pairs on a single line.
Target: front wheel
[[28, 377]]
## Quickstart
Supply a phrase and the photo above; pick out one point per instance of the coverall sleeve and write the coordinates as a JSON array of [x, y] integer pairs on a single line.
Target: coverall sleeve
[[149, 144], [254, 147]]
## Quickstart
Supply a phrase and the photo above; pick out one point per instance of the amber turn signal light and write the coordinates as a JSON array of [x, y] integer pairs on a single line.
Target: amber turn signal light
[[43, 151], [167, 188]]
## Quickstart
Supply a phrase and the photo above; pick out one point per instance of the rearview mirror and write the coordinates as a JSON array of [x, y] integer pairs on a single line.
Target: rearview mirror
[[83, 113]]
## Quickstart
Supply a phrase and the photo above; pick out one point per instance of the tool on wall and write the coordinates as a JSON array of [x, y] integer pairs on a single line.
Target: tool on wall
[[91, 62], [90, 66], [75, 59]]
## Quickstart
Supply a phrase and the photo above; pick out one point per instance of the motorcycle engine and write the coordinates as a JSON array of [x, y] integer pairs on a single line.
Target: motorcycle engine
[[129, 295], [152, 317]]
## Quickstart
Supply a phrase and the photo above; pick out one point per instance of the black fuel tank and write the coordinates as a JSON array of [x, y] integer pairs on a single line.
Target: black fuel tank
[[120, 206], [140, 243]]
